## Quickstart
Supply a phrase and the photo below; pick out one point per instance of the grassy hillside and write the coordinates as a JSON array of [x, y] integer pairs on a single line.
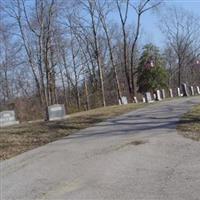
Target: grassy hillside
[[17, 139], [189, 125]]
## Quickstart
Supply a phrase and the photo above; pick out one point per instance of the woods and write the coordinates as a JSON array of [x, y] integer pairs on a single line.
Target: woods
[[87, 54]]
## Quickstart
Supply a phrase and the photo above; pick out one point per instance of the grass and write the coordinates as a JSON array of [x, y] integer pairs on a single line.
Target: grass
[[189, 125], [20, 138]]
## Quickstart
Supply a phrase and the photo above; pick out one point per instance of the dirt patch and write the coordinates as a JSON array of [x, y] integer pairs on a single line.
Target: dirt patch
[[192, 135], [137, 142], [134, 142]]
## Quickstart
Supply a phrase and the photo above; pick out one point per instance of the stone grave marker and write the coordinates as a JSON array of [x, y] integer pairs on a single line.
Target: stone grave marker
[[148, 97], [7, 118], [56, 112], [135, 99], [124, 101], [192, 90], [171, 93], [178, 92], [158, 95], [163, 93], [198, 90], [143, 100], [185, 90]]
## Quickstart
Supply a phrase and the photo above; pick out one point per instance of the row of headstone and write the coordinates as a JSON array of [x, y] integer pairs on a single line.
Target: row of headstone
[[57, 111], [191, 91], [160, 94], [7, 118]]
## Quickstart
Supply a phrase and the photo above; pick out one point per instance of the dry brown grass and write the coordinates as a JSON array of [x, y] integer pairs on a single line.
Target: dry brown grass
[[17, 139], [189, 125]]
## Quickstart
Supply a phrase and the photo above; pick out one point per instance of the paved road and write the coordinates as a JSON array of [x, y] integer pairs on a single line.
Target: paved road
[[135, 156]]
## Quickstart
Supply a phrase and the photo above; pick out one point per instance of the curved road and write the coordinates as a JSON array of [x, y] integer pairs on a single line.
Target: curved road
[[135, 156]]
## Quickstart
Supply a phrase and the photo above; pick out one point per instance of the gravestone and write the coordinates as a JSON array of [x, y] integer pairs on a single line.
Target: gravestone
[[171, 93], [7, 118], [135, 99], [198, 90], [56, 112], [163, 93], [158, 95], [185, 90], [124, 101], [143, 100], [148, 97], [192, 90], [178, 92]]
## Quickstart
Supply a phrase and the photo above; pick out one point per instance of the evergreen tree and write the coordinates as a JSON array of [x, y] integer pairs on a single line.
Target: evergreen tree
[[151, 73]]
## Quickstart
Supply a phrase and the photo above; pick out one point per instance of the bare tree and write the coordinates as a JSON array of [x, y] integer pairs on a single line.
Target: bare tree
[[123, 19], [140, 8], [36, 33], [103, 9], [182, 33]]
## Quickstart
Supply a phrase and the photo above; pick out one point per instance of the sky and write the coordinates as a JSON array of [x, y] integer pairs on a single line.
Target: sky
[[150, 21]]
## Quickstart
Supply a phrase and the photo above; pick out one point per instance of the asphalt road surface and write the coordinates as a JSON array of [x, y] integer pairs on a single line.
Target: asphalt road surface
[[138, 156]]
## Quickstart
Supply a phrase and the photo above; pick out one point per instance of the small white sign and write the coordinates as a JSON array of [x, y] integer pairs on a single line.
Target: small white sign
[[124, 101], [171, 93], [57, 108]]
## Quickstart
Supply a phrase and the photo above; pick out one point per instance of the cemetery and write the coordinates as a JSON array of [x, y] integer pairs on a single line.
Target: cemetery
[[99, 99], [57, 111]]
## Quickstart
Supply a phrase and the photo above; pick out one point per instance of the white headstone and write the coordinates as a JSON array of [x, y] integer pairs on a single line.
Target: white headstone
[[148, 97], [192, 90], [171, 93], [56, 112], [135, 99], [198, 90], [158, 95], [178, 92], [7, 118], [143, 100], [124, 101], [163, 93], [185, 89]]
